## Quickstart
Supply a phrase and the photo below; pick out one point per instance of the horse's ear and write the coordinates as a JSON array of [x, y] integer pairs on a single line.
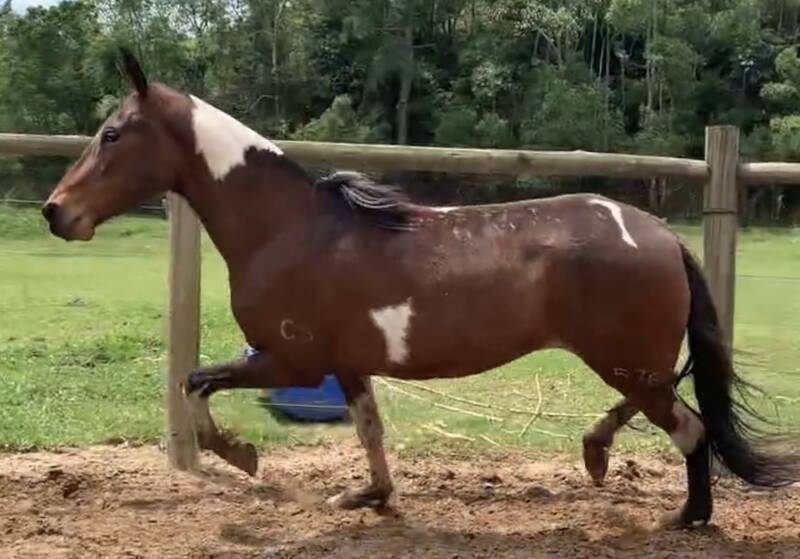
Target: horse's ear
[[134, 72]]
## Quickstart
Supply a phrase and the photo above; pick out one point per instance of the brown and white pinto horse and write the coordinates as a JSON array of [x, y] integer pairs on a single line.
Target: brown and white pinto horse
[[345, 274]]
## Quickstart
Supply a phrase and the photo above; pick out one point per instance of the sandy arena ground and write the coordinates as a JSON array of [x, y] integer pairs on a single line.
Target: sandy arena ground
[[124, 502]]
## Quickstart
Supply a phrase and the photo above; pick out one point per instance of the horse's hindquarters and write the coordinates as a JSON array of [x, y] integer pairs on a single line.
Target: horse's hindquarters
[[624, 312]]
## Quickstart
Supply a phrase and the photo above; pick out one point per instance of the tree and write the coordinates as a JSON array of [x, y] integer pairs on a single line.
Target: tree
[[339, 123]]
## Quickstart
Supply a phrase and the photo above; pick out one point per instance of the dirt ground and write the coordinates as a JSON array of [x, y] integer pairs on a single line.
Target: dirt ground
[[124, 502]]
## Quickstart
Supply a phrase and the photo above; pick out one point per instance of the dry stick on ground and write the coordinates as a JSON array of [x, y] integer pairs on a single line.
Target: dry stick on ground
[[388, 415], [448, 434], [484, 404], [455, 398], [548, 433], [540, 431], [556, 413], [388, 419], [490, 441], [537, 412], [390, 386]]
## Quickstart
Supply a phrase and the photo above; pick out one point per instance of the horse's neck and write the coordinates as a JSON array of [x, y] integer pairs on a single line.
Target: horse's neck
[[246, 211]]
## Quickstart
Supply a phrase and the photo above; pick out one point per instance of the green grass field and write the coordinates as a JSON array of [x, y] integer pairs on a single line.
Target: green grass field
[[82, 356]]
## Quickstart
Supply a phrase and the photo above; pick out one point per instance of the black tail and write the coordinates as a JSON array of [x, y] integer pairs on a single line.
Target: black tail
[[733, 438]]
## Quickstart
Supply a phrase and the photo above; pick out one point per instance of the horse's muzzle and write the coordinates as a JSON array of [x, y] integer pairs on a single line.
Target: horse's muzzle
[[49, 211], [66, 226]]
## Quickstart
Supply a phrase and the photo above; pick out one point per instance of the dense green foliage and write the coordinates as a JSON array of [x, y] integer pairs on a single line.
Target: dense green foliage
[[640, 76]]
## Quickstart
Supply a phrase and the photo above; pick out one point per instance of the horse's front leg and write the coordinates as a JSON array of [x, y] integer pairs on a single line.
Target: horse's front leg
[[260, 371], [256, 372], [223, 443], [364, 411]]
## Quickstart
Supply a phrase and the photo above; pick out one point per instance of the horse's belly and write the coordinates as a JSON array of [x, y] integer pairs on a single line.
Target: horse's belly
[[469, 335]]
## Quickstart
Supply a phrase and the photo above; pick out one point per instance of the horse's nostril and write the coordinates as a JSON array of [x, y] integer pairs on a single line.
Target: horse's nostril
[[49, 211]]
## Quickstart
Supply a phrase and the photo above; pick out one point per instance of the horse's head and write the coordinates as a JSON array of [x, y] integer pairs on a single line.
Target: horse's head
[[136, 154]]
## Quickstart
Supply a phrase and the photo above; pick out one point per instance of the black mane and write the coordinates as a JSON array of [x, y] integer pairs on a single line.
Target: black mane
[[384, 205]]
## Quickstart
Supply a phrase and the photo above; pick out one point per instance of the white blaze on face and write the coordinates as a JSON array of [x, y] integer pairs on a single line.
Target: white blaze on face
[[394, 322], [616, 213], [690, 430], [222, 140]]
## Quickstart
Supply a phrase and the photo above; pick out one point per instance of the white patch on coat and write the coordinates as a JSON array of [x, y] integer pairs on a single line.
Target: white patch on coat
[[394, 322], [445, 209], [690, 430], [222, 140], [616, 213]]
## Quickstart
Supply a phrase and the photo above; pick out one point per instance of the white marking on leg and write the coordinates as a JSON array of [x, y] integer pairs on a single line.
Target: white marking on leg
[[364, 412], [222, 140], [365, 409], [616, 213], [689, 431], [394, 322]]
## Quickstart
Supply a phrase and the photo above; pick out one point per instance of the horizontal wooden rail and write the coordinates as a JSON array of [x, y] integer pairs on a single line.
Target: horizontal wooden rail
[[460, 160], [492, 162], [769, 173], [38, 144], [439, 160]]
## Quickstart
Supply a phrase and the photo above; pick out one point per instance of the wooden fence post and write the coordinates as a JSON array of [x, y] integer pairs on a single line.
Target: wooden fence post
[[183, 329], [720, 222]]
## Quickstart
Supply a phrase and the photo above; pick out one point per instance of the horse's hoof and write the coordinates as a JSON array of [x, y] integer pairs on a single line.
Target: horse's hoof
[[683, 520], [245, 457], [595, 459], [363, 498]]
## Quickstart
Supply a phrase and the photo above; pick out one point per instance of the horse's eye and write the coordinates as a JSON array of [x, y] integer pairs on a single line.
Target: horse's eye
[[110, 135]]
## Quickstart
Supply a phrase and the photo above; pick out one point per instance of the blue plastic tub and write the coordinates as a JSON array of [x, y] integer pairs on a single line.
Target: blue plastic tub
[[324, 403]]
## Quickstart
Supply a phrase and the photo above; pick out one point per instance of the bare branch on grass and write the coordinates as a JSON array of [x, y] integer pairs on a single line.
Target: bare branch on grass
[[447, 434], [537, 412], [485, 405], [391, 386]]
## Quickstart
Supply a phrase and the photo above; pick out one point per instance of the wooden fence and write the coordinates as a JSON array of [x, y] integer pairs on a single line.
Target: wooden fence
[[721, 173]]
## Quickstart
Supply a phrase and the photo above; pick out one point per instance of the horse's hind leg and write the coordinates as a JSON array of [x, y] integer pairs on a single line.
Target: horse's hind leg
[[689, 434], [364, 411], [654, 395], [597, 441]]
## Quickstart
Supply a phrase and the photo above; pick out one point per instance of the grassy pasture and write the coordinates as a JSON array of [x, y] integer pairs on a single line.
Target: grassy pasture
[[82, 356]]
